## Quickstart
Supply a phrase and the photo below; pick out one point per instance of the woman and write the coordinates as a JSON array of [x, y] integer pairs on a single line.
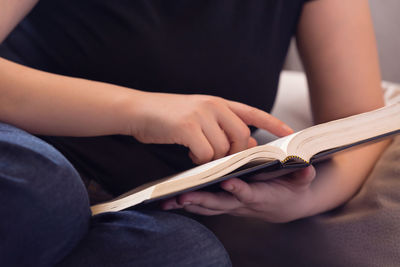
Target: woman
[[202, 71]]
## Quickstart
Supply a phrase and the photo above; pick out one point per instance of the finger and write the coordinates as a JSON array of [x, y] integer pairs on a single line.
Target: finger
[[260, 119], [237, 131], [203, 211], [200, 148], [298, 180], [240, 189], [170, 204], [215, 201], [252, 142], [217, 138]]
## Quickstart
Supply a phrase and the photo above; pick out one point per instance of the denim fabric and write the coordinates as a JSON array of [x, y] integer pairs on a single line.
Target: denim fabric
[[131, 238], [46, 220], [44, 205]]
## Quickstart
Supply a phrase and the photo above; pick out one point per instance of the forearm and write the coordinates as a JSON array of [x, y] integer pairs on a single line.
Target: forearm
[[337, 44], [338, 179], [44, 103]]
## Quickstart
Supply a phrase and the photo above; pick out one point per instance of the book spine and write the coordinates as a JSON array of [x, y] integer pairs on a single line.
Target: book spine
[[294, 158]]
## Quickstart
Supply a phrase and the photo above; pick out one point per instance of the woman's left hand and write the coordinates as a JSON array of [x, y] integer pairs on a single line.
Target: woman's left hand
[[281, 199]]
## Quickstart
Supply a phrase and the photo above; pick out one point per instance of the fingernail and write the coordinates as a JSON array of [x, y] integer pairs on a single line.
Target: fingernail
[[187, 203], [287, 128], [229, 187]]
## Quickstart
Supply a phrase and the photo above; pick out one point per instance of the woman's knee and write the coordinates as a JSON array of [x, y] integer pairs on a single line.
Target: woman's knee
[[132, 238], [47, 209]]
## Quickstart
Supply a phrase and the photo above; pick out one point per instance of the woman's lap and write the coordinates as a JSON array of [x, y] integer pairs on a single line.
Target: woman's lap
[[43, 201], [47, 218], [148, 238]]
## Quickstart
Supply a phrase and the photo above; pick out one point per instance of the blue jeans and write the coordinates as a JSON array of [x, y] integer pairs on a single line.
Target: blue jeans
[[46, 220]]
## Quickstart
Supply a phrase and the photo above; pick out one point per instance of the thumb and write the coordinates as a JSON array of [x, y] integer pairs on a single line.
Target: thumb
[[303, 177]]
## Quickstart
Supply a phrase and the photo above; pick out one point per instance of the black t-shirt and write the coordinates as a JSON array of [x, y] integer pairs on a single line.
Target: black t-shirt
[[230, 48]]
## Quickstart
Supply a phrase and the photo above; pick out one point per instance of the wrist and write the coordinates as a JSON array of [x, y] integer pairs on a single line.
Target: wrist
[[128, 109]]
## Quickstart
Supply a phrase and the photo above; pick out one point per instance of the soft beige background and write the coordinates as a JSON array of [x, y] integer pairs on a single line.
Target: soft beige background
[[386, 17]]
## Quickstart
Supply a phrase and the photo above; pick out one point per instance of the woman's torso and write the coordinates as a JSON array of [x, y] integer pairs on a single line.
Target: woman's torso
[[230, 48]]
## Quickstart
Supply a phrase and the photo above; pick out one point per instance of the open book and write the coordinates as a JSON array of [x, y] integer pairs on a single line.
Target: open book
[[296, 150]]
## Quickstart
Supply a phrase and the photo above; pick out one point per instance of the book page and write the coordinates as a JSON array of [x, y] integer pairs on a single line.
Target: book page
[[264, 152], [202, 168], [283, 142], [346, 131], [176, 185], [124, 202]]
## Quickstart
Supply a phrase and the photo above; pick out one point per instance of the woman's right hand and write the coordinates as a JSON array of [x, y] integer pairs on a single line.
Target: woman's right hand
[[50, 104], [211, 127]]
